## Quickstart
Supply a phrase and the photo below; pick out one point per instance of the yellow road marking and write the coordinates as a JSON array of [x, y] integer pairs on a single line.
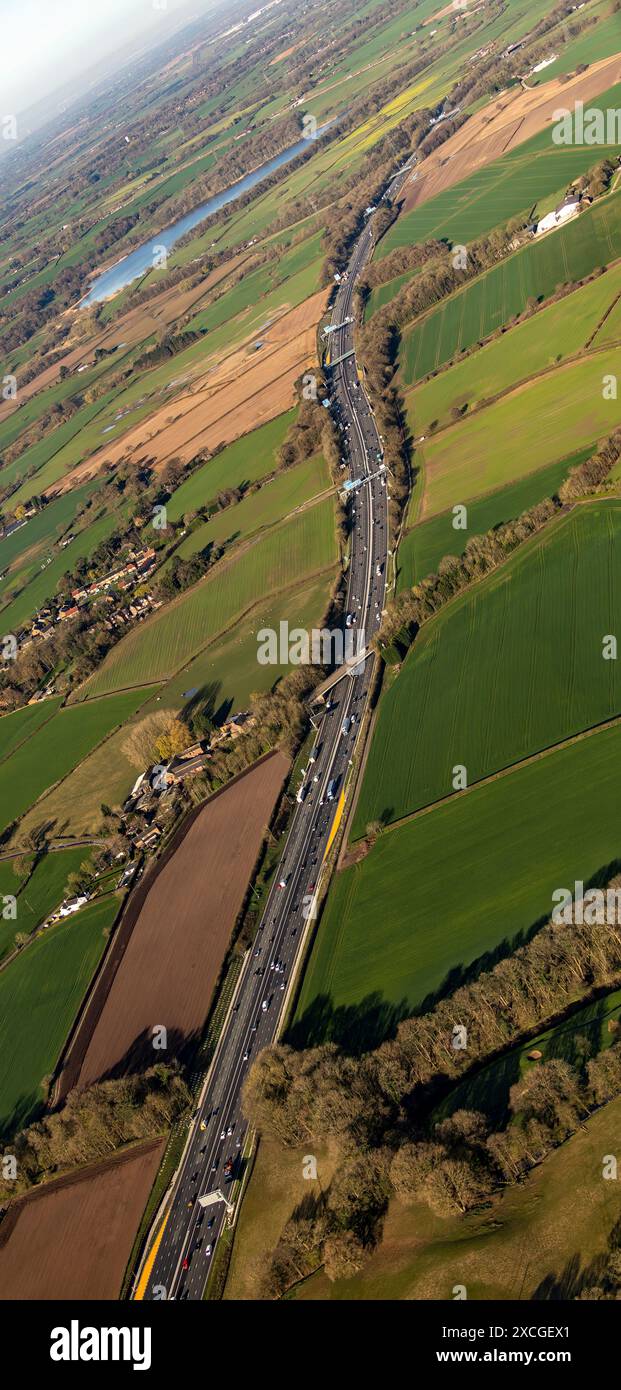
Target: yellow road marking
[[150, 1261], [335, 825]]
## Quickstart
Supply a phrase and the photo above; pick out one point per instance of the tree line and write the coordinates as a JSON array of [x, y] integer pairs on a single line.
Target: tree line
[[95, 1123], [482, 554], [372, 1109]]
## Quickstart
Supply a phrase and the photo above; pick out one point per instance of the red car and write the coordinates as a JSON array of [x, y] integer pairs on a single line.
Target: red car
[[186, 1263]]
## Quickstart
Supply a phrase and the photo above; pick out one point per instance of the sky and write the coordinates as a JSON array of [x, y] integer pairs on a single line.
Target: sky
[[47, 43]]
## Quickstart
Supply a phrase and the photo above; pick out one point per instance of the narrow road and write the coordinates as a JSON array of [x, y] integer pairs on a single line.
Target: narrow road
[[218, 1127]]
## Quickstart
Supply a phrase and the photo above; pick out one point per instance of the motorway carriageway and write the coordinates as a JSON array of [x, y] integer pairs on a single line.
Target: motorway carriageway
[[218, 1129]]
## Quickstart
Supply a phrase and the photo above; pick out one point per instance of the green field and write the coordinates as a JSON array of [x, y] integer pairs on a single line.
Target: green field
[[461, 884], [57, 747], [18, 726], [42, 892], [42, 585], [224, 677], [425, 545], [26, 546], [548, 419], [383, 294], [250, 458], [59, 450], [160, 647], [273, 501], [549, 337], [513, 184], [228, 669], [298, 269], [40, 994], [490, 301], [610, 330], [527, 642]]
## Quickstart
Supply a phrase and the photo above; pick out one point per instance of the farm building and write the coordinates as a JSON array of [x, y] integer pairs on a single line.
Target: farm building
[[559, 215]]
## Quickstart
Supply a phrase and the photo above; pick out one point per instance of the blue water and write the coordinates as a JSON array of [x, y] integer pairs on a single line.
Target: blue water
[[142, 259]]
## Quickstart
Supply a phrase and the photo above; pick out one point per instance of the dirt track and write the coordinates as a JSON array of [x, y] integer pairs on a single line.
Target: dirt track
[[166, 959], [72, 1238], [503, 124]]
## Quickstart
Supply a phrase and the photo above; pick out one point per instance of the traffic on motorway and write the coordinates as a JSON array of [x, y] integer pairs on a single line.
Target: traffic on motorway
[[213, 1156]]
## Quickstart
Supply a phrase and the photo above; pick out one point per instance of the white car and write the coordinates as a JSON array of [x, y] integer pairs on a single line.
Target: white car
[[208, 1251]]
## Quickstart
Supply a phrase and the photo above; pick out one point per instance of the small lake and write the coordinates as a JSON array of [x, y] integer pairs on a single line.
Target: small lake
[[141, 260]]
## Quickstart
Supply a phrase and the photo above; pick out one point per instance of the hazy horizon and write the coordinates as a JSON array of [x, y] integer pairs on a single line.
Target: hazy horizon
[[50, 43]]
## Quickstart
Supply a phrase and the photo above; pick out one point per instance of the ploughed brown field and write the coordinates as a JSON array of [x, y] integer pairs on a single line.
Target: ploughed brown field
[[166, 958], [226, 398], [133, 327], [72, 1238], [501, 124]]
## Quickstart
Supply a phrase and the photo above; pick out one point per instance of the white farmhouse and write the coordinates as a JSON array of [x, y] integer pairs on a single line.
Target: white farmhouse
[[73, 905], [559, 215]]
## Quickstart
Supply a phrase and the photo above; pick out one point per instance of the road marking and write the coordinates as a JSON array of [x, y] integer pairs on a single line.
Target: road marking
[[149, 1262], [335, 825]]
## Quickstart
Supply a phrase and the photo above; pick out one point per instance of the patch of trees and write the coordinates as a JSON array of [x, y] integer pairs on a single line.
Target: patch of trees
[[306, 433], [397, 262], [597, 180], [440, 133], [169, 345], [181, 573], [114, 232], [371, 1108], [590, 475], [379, 354], [440, 278], [456, 1165], [95, 1123]]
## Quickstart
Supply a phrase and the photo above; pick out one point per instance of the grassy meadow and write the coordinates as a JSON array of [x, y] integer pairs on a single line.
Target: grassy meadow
[[457, 886], [160, 647]]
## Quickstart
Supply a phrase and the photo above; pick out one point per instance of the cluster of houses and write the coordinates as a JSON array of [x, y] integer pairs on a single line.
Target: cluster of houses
[[138, 564], [136, 568], [160, 778], [138, 608], [20, 521]]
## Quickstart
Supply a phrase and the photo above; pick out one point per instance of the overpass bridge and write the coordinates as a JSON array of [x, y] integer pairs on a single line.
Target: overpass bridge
[[349, 668]]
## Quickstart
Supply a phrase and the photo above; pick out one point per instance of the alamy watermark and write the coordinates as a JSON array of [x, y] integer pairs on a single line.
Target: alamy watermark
[[577, 126], [298, 646], [595, 907]]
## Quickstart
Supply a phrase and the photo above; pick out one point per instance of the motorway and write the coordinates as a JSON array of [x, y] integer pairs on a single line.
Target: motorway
[[218, 1128]]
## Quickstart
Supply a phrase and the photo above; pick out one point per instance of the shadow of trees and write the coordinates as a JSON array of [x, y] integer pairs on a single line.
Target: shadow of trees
[[576, 1278], [356, 1028]]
